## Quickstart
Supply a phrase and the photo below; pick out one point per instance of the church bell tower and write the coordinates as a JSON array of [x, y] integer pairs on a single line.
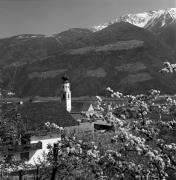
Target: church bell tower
[[66, 93]]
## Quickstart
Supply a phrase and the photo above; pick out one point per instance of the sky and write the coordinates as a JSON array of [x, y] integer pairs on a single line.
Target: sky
[[53, 16]]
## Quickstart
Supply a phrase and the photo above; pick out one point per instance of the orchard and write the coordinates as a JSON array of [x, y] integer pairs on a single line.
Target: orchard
[[140, 146]]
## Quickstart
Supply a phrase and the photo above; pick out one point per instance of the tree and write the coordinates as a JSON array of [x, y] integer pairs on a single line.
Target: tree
[[168, 68], [140, 146], [12, 130], [139, 136], [136, 149]]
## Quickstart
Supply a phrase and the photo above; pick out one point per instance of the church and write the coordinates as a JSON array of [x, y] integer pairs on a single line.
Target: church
[[36, 114]]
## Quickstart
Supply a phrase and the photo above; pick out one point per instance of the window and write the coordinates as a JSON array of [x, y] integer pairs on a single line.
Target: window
[[63, 96], [24, 156], [25, 140]]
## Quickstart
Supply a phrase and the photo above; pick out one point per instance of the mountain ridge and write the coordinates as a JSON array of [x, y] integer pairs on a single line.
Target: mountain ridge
[[122, 55], [144, 19]]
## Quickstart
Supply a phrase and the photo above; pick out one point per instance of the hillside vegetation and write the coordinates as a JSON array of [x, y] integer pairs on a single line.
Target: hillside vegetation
[[121, 55]]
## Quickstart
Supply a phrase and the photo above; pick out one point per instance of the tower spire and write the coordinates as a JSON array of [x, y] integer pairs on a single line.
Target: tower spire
[[66, 93], [65, 78]]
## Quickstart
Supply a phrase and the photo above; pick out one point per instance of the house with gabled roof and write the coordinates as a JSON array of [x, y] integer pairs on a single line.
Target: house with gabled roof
[[36, 139], [34, 115]]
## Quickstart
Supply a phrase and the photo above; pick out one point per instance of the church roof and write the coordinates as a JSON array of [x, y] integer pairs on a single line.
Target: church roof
[[36, 114], [81, 106]]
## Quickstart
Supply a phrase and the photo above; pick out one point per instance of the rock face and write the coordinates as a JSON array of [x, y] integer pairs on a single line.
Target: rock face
[[124, 55]]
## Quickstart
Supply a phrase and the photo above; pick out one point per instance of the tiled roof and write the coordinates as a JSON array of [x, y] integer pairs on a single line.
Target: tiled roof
[[36, 114]]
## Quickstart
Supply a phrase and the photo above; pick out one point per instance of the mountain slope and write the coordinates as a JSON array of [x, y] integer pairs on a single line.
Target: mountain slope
[[72, 35], [131, 71], [168, 34], [160, 19], [122, 55], [121, 31], [26, 48]]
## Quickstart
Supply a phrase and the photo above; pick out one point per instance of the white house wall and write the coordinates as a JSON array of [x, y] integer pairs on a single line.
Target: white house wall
[[48, 139]]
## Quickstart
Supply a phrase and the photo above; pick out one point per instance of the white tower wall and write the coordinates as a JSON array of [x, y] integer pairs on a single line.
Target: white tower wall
[[66, 96]]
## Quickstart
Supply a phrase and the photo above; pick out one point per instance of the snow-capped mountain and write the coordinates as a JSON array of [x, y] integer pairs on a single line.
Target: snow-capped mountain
[[160, 19], [151, 20]]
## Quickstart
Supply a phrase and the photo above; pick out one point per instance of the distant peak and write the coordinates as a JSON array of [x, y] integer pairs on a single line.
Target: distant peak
[[142, 19], [172, 12]]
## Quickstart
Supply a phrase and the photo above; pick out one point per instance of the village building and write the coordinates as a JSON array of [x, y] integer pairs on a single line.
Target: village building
[[36, 139], [73, 116], [34, 115]]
